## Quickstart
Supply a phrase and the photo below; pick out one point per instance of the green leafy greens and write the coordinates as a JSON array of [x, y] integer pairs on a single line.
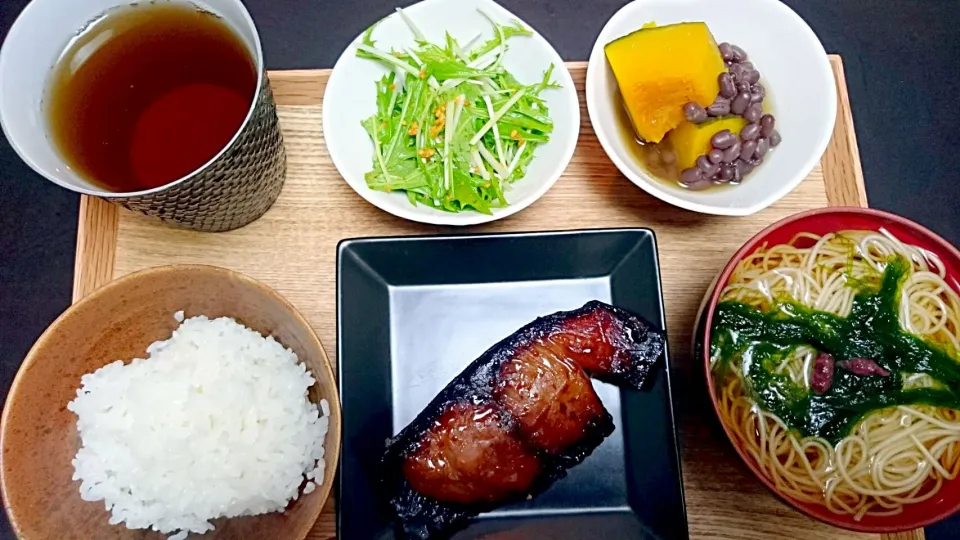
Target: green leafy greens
[[761, 340], [453, 129]]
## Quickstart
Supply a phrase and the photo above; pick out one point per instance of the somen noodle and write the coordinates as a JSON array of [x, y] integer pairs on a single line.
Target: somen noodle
[[888, 457]]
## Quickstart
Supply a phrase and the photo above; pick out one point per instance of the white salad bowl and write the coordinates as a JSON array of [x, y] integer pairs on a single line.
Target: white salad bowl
[[794, 68], [350, 97]]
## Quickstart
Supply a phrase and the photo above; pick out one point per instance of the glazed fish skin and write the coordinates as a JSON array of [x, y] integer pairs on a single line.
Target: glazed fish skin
[[611, 344], [550, 397], [476, 443], [537, 417]]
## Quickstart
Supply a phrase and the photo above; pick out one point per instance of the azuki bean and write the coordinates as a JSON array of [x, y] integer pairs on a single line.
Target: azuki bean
[[745, 167], [715, 156], [864, 367], [694, 112], [728, 88], [747, 149], [723, 139], [763, 146], [775, 139], [700, 185], [737, 72], [731, 154], [719, 107], [750, 132], [757, 93], [743, 86], [767, 123], [752, 76], [726, 173], [726, 51], [747, 66], [753, 113], [739, 104], [691, 176], [821, 376], [709, 169], [737, 54], [704, 164], [737, 174]]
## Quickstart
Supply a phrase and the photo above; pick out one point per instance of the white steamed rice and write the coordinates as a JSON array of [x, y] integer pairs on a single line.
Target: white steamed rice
[[214, 423]]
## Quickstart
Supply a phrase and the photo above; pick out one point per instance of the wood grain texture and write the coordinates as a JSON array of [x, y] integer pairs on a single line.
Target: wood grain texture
[[843, 176], [293, 249], [96, 246], [909, 535]]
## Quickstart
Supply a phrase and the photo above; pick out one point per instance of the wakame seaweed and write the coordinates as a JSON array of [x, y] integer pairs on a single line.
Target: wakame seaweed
[[761, 340]]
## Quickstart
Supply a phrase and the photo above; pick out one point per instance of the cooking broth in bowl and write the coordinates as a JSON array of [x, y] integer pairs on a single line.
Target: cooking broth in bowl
[[148, 94]]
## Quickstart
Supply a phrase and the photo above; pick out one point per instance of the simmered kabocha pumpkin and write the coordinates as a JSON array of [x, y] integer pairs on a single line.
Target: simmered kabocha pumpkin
[[690, 141], [660, 69]]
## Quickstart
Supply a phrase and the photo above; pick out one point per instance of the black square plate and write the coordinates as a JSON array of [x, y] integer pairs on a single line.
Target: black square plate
[[413, 312]]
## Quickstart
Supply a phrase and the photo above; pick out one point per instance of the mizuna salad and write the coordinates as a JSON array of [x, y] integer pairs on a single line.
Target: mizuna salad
[[453, 128]]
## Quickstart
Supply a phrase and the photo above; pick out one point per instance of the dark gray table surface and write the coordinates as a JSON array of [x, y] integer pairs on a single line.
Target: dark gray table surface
[[902, 61]]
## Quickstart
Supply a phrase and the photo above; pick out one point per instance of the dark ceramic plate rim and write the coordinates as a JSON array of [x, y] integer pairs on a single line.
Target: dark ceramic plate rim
[[670, 405]]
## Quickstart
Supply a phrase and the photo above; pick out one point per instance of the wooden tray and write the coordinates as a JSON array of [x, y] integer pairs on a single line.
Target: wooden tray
[[293, 248]]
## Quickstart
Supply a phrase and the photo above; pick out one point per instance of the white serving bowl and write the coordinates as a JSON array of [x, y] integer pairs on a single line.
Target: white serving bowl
[[794, 68], [350, 97]]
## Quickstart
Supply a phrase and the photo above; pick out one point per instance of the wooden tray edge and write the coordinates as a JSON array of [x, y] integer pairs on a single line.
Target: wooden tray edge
[[96, 245], [843, 178]]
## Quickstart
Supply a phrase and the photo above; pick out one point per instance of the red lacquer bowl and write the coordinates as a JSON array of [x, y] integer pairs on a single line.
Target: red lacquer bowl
[[947, 500]]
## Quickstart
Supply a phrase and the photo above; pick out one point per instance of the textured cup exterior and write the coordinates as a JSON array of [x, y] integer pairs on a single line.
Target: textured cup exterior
[[234, 190]]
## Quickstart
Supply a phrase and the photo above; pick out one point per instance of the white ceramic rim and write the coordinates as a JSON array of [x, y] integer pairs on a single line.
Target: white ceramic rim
[[19, 29], [650, 185], [467, 218]]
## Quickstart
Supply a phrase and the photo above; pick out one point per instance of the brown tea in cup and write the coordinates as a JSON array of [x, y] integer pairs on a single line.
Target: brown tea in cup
[[148, 94]]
